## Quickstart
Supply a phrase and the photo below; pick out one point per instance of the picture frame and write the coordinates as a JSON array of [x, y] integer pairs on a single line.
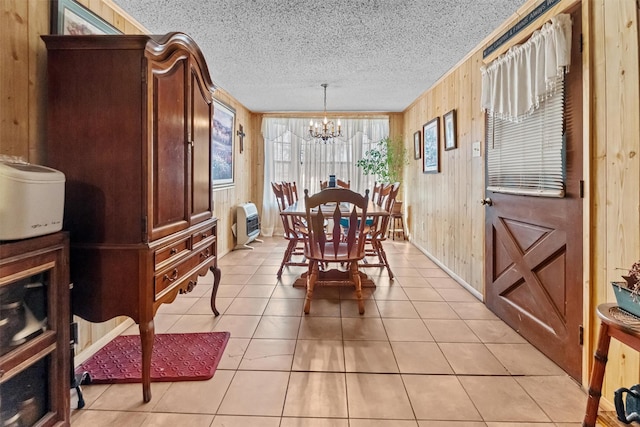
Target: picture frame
[[417, 149], [71, 18], [222, 145], [431, 146], [450, 130]]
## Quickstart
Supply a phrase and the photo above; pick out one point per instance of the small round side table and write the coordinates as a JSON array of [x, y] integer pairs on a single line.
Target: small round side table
[[616, 323]]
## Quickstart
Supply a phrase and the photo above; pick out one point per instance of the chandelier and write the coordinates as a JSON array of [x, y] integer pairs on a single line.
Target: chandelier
[[326, 130]]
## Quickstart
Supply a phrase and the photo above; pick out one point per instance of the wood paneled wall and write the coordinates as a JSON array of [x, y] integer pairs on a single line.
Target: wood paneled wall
[[443, 210], [615, 168]]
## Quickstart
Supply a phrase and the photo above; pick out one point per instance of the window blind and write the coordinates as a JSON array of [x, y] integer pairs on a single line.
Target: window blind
[[528, 157]]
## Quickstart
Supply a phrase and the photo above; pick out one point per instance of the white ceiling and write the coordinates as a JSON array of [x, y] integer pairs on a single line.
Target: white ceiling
[[376, 55]]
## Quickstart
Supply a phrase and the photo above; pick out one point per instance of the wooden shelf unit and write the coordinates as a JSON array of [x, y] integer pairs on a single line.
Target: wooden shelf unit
[[35, 371]]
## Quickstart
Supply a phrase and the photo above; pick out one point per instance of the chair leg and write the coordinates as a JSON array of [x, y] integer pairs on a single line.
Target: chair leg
[[383, 256], [312, 277], [355, 277], [287, 256]]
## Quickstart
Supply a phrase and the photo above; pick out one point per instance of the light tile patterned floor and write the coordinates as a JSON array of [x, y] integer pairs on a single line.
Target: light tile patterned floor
[[425, 354]]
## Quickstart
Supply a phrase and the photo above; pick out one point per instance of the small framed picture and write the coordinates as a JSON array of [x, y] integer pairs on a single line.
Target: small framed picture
[[71, 18], [222, 144], [450, 131], [431, 150], [416, 145]]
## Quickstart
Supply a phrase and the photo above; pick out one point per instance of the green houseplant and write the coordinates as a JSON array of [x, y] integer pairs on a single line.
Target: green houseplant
[[385, 160]]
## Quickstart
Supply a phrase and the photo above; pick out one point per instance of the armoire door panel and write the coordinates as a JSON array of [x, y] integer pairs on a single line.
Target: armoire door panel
[[170, 167], [201, 133]]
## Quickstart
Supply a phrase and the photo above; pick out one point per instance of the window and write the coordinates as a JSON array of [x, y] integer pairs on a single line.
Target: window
[[528, 157]]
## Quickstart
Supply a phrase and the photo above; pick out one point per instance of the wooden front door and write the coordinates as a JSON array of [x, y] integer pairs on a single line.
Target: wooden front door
[[534, 249]]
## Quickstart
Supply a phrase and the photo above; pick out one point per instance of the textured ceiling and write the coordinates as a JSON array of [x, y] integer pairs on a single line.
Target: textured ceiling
[[376, 55]]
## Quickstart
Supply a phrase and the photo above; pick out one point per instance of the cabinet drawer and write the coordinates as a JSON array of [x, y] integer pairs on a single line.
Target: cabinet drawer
[[170, 252], [206, 252], [203, 234], [174, 274]]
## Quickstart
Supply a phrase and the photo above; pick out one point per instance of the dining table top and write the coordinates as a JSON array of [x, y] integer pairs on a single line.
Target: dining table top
[[300, 208]]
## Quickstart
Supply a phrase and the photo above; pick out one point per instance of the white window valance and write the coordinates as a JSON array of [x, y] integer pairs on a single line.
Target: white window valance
[[515, 83]]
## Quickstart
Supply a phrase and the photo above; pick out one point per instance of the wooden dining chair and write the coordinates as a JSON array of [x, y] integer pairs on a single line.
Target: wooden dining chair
[[281, 199], [290, 191], [322, 246], [339, 184], [343, 184], [376, 232], [376, 190], [294, 231], [383, 194]]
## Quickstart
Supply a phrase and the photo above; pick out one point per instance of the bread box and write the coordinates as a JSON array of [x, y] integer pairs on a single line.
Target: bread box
[[31, 200]]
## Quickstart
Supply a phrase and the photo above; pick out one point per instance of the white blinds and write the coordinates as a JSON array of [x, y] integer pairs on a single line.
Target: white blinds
[[528, 157], [523, 94]]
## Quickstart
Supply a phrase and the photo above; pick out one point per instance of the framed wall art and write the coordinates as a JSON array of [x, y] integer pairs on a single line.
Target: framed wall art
[[71, 18], [430, 142], [222, 144], [417, 149], [450, 130]]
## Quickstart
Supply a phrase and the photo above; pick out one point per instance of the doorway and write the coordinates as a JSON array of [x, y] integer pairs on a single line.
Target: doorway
[[533, 264]]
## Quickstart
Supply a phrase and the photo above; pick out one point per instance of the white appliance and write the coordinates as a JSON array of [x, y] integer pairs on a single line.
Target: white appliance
[[31, 200], [247, 225]]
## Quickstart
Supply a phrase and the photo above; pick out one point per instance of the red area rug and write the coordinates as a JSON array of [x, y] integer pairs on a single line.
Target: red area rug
[[175, 357]]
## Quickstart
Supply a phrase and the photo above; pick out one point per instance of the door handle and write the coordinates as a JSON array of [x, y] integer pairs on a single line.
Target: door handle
[[486, 202]]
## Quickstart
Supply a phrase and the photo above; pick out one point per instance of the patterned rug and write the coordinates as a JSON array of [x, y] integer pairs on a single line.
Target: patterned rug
[[175, 357]]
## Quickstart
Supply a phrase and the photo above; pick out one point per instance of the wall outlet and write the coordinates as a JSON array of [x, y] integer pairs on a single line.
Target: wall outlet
[[475, 149]]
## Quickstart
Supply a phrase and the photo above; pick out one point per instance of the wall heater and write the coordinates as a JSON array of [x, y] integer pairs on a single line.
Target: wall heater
[[247, 225]]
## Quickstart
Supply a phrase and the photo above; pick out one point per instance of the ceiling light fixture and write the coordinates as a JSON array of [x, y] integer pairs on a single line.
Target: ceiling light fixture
[[326, 130]]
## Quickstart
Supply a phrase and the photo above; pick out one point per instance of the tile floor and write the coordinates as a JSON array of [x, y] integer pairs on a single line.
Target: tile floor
[[425, 354]]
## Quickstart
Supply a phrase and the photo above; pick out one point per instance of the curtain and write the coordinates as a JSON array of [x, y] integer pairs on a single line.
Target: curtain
[[515, 83], [291, 155]]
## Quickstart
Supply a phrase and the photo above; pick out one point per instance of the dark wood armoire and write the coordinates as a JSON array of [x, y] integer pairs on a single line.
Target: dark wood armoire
[[130, 126]]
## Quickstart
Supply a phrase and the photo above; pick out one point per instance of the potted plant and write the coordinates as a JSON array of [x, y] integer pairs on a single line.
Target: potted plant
[[627, 292], [385, 160]]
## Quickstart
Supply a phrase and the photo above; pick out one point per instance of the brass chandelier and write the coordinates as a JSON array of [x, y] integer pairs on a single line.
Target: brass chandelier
[[326, 130]]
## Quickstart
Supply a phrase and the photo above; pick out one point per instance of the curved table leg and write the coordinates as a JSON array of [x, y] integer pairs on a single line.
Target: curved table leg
[[216, 282], [147, 334]]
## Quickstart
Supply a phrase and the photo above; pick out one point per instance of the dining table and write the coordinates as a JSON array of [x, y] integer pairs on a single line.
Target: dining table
[[333, 276]]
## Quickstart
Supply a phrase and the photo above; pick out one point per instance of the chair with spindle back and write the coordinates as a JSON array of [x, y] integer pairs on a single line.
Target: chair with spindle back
[[294, 232], [332, 246], [290, 191], [376, 232]]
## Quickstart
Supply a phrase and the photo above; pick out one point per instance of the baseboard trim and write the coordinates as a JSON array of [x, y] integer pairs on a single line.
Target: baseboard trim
[[453, 275]]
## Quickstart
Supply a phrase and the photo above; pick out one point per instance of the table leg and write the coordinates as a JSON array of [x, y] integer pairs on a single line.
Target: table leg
[[216, 282], [147, 334], [597, 375]]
